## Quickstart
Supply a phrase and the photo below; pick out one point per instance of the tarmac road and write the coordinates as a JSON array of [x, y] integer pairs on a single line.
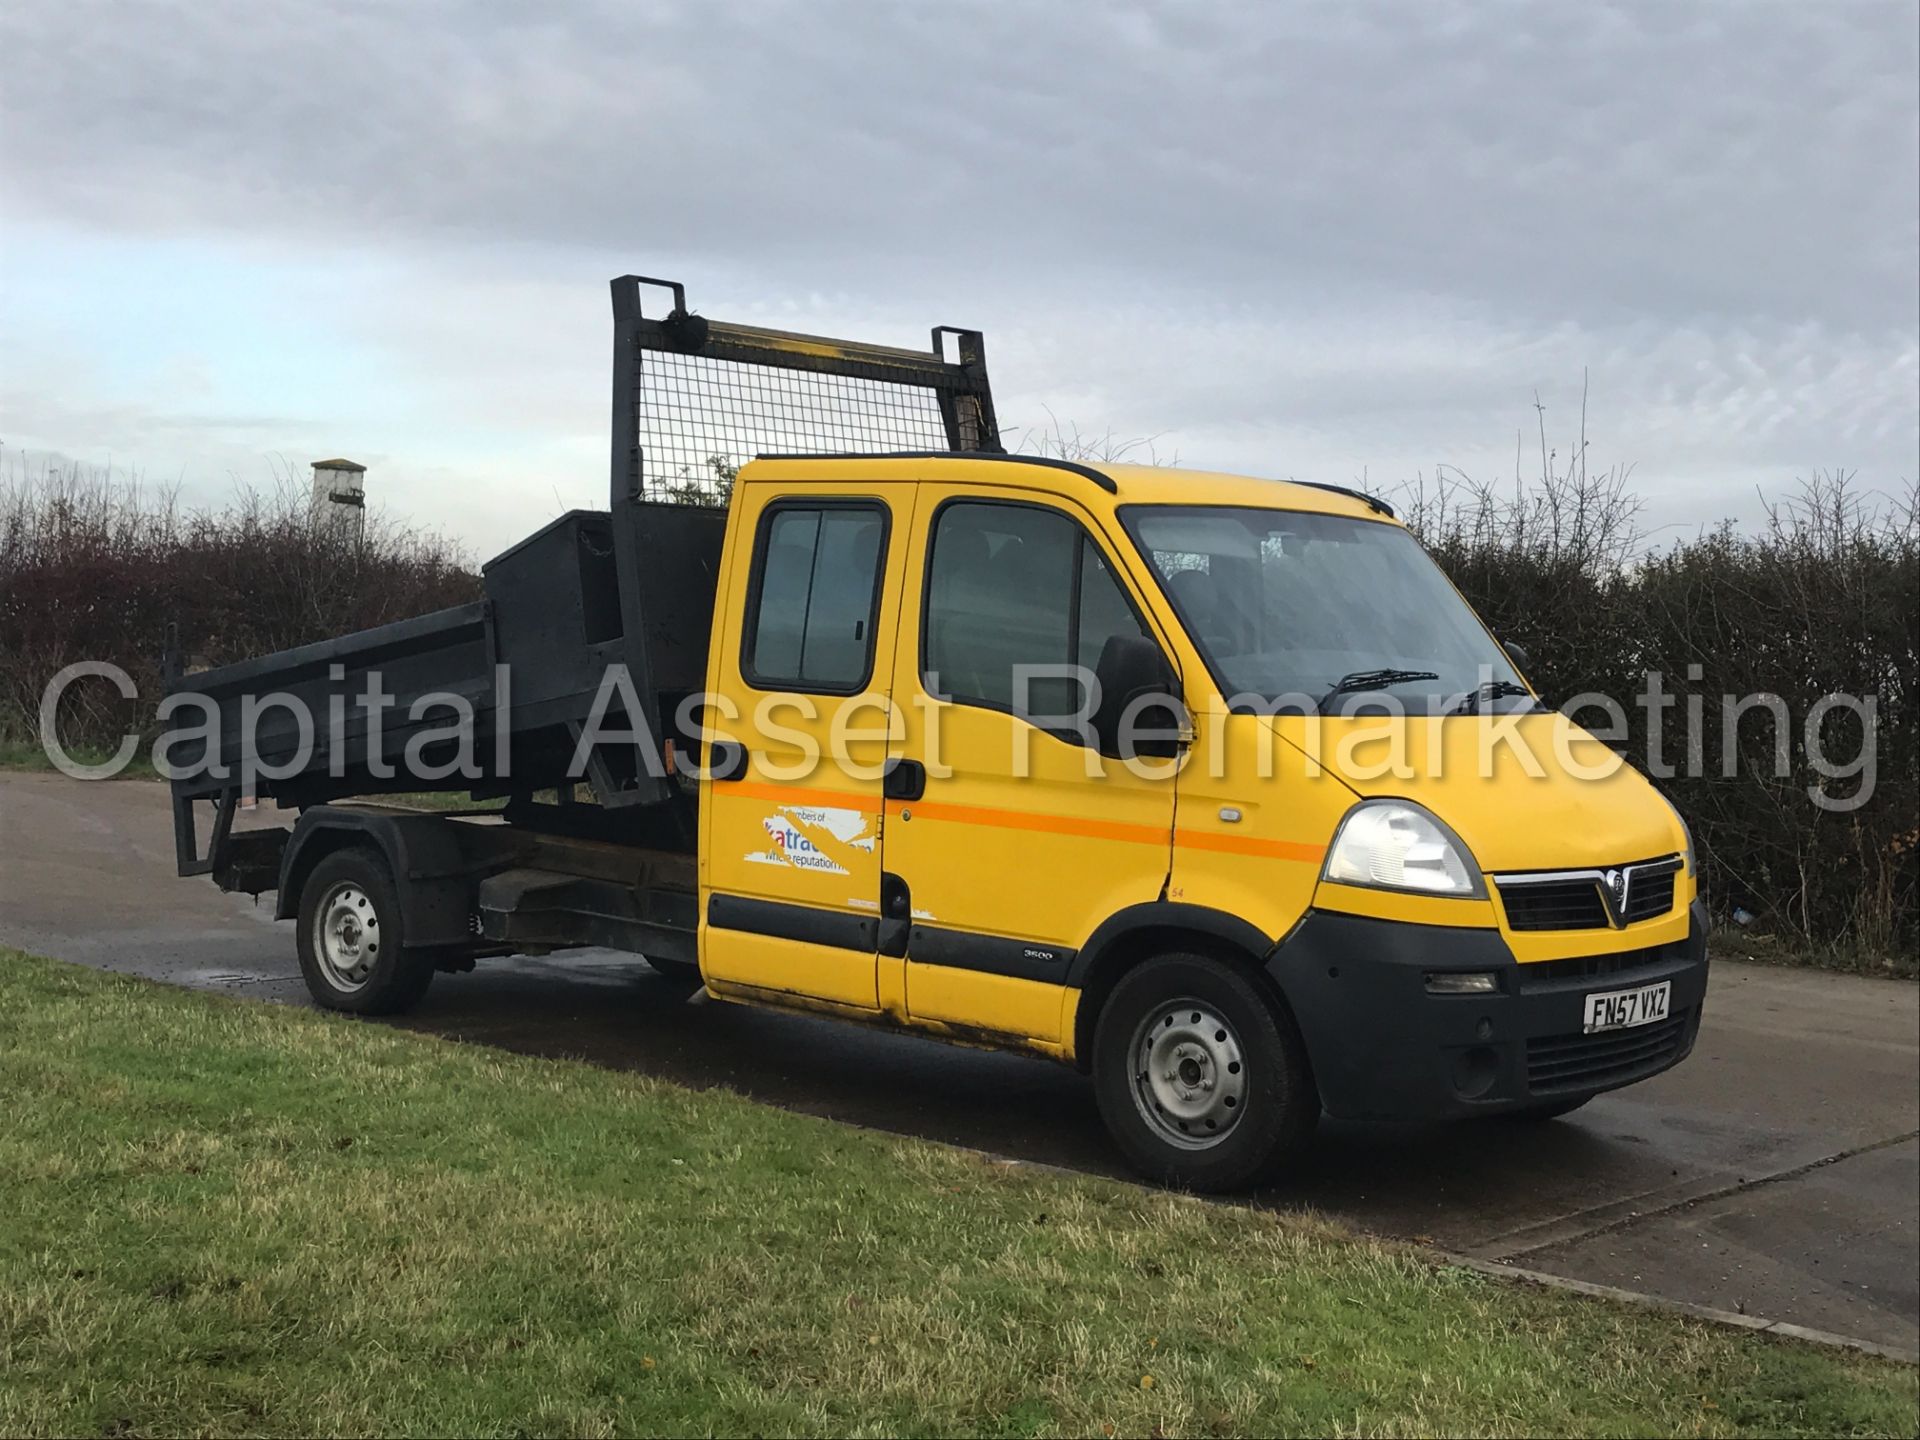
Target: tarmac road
[[1776, 1172]]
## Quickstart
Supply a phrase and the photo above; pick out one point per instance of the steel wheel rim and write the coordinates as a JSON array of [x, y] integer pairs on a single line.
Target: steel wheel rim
[[346, 937], [1189, 1074]]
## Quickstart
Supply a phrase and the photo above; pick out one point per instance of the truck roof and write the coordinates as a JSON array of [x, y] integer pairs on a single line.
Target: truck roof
[[1113, 483]]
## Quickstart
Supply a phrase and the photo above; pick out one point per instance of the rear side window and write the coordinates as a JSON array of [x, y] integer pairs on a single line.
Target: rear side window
[[816, 597], [1012, 586]]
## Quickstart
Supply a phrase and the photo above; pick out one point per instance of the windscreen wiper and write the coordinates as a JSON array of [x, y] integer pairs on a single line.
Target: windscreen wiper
[[1373, 680], [1471, 702]]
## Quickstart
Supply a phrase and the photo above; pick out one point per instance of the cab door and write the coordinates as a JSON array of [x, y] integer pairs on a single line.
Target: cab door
[[1009, 838], [790, 842]]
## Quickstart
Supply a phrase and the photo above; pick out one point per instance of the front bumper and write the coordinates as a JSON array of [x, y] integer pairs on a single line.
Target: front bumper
[[1382, 1048]]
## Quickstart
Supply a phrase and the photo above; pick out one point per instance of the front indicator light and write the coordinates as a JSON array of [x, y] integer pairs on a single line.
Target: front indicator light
[[1462, 982]]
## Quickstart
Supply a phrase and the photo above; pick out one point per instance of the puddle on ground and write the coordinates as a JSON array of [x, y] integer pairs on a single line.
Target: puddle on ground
[[226, 979]]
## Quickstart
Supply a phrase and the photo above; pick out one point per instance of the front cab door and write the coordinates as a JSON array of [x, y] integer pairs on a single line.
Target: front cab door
[[791, 842], [1009, 838]]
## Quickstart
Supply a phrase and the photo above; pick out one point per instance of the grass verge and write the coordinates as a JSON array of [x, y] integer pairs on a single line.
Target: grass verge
[[1730, 942], [221, 1217], [28, 754]]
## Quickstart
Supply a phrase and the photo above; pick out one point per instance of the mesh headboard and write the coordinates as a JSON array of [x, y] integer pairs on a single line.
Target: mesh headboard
[[694, 399]]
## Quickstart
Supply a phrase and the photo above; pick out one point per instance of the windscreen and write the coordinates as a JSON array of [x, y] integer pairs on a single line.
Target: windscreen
[[1318, 611]]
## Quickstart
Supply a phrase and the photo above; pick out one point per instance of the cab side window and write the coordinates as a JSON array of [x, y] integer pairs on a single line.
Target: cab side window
[[816, 596], [1012, 586]]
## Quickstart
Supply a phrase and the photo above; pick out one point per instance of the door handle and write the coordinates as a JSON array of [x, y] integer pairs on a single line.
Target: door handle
[[903, 779], [726, 760]]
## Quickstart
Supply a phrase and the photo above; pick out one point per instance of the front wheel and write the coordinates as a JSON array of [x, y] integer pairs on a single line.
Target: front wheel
[[352, 947], [1201, 1077]]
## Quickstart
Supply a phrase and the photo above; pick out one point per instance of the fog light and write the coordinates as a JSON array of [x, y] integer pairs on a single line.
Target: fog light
[[1474, 1072], [1461, 982]]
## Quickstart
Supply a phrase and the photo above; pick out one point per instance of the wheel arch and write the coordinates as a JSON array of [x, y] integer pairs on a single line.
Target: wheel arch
[[1140, 932], [308, 847], [425, 863]]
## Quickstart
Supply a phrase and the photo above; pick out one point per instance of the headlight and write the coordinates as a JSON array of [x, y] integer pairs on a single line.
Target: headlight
[[1396, 845]]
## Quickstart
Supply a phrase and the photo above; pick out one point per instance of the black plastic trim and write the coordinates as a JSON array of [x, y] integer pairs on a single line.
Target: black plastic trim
[[1384, 1048], [806, 923], [990, 954], [903, 779], [1242, 935], [727, 760], [1372, 502], [896, 914]]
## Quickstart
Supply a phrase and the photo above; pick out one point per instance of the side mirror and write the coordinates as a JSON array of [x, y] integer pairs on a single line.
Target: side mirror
[[1139, 710], [1517, 653]]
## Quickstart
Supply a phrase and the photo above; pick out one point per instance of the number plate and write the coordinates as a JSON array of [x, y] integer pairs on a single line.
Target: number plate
[[1623, 1009]]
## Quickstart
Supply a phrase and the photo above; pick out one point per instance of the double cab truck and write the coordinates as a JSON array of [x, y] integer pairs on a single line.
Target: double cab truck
[[1211, 787]]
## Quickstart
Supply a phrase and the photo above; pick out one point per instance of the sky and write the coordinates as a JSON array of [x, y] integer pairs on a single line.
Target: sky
[[1340, 242]]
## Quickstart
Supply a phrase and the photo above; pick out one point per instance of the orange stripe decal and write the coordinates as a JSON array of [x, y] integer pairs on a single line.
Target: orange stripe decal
[[1047, 824], [1085, 827], [1251, 845]]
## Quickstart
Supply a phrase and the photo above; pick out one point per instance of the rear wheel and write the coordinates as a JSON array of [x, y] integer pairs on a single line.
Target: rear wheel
[[1201, 1077], [352, 947]]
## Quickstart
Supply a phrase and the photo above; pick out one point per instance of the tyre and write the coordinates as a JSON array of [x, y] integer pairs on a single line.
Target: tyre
[[1544, 1109], [680, 974], [1201, 1077], [353, 954]]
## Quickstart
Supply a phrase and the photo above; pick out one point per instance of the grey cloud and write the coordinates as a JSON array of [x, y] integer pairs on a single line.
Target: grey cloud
[[1570, 159], [1372, 227]]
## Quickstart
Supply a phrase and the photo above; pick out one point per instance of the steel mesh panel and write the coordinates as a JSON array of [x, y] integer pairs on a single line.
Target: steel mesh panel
[[701, 418]]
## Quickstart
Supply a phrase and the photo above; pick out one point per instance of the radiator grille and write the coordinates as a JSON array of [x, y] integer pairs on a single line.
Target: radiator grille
[[1555, 905], [1579, 901], [1589, 967], [1559, 1063], [1651, 896]]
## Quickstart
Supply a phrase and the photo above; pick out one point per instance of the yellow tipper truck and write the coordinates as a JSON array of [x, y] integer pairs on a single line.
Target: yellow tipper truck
[[1212, 787]]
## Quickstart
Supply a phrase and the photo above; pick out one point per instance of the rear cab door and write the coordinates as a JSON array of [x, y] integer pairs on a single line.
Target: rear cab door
[[801, 673]]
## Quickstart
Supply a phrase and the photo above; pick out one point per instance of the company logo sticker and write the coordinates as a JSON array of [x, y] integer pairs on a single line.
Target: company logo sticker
[[793, 833]]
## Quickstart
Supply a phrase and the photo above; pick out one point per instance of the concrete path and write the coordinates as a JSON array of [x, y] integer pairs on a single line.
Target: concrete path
[[1776, 1172]]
